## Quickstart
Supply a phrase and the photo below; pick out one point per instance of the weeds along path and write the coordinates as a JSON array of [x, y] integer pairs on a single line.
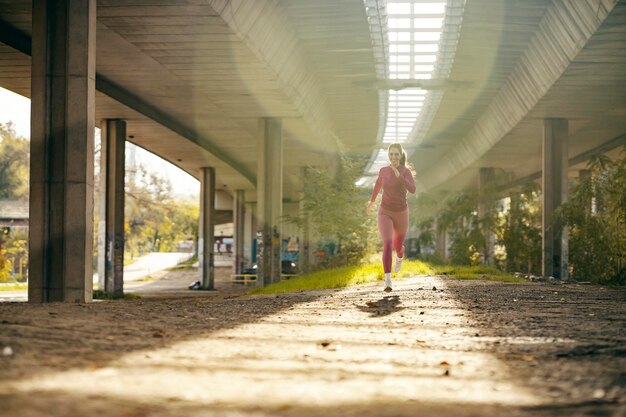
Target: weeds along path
[[434, 346]]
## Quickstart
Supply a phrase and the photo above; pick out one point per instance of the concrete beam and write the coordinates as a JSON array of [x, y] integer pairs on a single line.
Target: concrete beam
[[485, 180], [22, 42], [111, 207], [555, 190], [206, 239], [269, 201], [62, 149], [265, 28], [238, 230], [564, 31]]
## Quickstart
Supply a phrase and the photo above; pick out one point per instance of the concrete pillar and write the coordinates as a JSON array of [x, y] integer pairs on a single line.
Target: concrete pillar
[[269, 200], [111, 207], [305, 257], [512, 257], [62, 150], [554, 237], [485, 179], [238, 230], [252, 233], [441, 248], [206, 238], [306, 253]]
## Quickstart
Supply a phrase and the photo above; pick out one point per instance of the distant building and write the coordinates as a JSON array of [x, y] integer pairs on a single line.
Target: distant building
[[13, 213]]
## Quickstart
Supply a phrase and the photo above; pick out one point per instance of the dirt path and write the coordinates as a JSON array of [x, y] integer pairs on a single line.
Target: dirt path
[[435, 346]]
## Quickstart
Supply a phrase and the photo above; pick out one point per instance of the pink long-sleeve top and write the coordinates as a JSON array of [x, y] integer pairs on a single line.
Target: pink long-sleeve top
[[394, 188]]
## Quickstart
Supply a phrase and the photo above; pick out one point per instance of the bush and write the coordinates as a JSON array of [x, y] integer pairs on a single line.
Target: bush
[[596, 219]]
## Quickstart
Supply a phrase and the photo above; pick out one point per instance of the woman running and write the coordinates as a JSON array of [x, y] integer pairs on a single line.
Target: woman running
[[393, 214]]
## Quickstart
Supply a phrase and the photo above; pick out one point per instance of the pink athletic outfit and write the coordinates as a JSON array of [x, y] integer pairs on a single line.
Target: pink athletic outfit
[[393, 213]]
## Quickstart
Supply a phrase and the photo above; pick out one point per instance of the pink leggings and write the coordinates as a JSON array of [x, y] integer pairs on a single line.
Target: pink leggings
[[392, 226]]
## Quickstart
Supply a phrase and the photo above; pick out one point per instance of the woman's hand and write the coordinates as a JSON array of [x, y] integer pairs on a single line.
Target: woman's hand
[[368, 209], [395, 170]]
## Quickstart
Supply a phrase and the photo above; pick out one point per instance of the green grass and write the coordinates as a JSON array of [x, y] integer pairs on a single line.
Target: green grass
[[101, 295], [129, 261], [147, 278], [475, 272], [185, 265], [370, 272], [14, 287]]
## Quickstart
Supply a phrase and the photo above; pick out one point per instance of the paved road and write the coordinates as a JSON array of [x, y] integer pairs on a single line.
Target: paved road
[[148, 265]]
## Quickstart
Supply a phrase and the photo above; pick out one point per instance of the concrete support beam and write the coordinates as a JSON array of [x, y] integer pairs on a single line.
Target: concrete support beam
[[206, 239], [555, 188], [238, 230], [306, 249], [251, 238], [111, 207], [547, 56], [485, 179], [62, 136], [269, 200], [441, 245]]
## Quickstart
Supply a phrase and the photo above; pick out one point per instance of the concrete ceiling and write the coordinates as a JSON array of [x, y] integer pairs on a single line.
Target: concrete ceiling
[[192, 78], [196, 75], [517, 79]]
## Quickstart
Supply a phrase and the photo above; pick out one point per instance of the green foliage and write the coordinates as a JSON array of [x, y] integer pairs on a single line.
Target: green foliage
[[467, 231], [335, 207], [518, 230], [596, 219], [14, 256], [154, 221], [521, 231], [14, 157]]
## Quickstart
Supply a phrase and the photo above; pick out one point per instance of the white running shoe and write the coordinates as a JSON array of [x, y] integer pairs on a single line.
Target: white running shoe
[[397, 265], [388, 282]]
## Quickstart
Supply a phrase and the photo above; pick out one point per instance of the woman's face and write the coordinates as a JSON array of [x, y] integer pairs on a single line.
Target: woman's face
[[394, 156]]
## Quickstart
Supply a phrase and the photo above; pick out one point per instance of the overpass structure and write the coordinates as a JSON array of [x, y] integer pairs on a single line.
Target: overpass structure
[[244, 94]]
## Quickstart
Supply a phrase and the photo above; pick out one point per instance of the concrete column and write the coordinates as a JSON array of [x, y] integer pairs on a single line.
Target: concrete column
[[238, 230], [206, 238], [269, 200], [554, 237], [441, 248], [514, 213], [305, 257], [252, 233], [62, 150], [111, 207], [485, 178]]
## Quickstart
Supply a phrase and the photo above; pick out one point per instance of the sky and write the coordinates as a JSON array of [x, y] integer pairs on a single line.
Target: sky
[[15, 108]]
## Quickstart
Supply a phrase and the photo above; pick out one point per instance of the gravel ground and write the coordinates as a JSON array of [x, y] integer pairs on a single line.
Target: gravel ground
[[434, 346]]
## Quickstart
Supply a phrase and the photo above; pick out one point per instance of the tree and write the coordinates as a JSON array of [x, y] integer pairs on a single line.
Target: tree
[[335, 206], [154, 220], [596, 219], [521, 231], [14, 164]]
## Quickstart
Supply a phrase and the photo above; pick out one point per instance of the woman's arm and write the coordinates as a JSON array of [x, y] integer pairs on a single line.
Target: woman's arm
[[409, 182], [377, 187]]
